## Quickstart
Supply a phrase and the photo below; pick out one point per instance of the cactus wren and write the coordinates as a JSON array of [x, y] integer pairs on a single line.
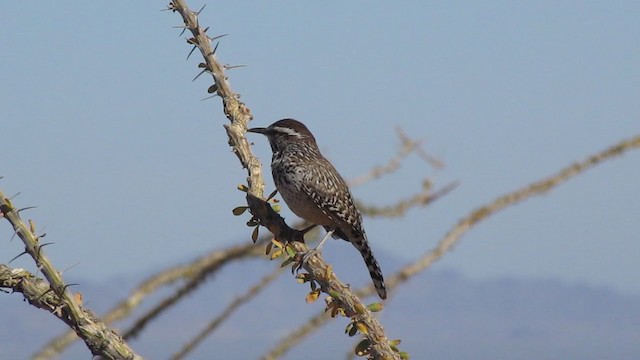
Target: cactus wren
[[314, 191]]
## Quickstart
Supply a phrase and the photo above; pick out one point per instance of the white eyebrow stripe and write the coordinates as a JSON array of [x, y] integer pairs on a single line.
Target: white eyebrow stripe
[[288, 131]]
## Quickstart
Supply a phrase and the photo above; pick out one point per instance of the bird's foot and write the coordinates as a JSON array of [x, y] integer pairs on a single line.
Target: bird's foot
[[306, 256], [303, 258]]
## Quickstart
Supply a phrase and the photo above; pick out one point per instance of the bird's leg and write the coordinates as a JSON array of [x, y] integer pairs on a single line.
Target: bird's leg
[[324, 239], [308, 228], [316, 250]]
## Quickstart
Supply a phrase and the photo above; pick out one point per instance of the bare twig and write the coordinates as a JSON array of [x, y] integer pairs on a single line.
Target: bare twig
[[423, 198], [407, 147], [201, 268], [484, 212], [196, 278], [429, 159], [213, 324], [296, 336]]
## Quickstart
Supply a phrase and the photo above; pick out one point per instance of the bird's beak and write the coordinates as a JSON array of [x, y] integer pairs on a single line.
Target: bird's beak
[[262, 131]]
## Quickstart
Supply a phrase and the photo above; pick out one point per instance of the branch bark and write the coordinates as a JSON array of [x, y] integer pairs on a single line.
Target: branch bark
[[97, 336]]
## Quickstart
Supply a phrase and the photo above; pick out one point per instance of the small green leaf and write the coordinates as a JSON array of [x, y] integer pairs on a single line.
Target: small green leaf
[[290, 251], [375, 307]]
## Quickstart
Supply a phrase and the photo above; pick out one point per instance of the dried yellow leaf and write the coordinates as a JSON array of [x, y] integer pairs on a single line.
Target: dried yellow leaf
[[254, 234], [362, 328], [312, 296]]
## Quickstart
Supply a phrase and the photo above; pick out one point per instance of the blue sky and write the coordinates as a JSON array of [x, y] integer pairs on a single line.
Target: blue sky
[[104, 131]]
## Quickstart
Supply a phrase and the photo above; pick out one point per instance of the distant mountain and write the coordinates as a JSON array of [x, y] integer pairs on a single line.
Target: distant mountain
[[438, 315]]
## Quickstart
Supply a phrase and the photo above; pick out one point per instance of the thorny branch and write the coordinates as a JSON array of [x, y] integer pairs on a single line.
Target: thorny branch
[[465, 224], [400, 208], [99, 339], [34, 289], [240, 115], [197, 270], [407, 146], [205, 266]]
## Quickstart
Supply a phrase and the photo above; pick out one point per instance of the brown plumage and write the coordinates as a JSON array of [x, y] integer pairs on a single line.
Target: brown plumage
[[314, 190]]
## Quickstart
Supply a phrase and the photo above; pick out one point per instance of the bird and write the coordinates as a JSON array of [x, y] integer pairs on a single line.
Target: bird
[[314, 190]]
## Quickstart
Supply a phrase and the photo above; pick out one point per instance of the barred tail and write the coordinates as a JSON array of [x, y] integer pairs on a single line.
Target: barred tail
[[374, 269]]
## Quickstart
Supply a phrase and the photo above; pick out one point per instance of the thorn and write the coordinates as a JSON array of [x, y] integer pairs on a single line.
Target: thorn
[[39, 248], [183, 30], [217, 37], [18, 193], [26, 208], [45, 293], [192, 41], [171, 6], [22, 253], [272, 194], [201, 72], [69, 268], [205, 30], [209, 97], [229, 67], [64, 288], [215, 48], [202, 65], [180, 27], [191, 52], [202, 8]]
